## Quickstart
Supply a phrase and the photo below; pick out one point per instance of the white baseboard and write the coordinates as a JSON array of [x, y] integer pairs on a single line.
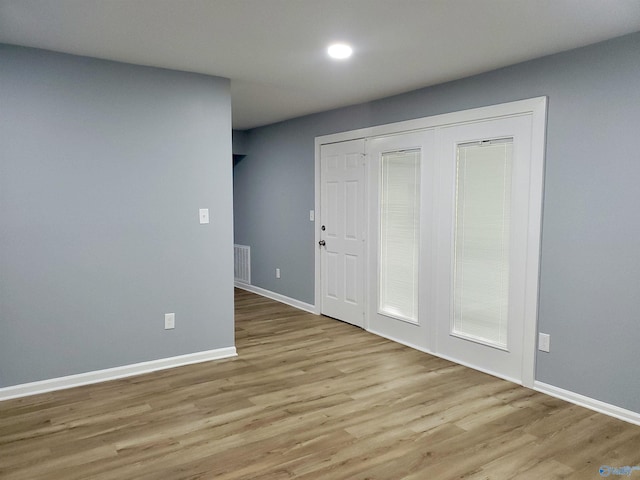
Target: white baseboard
[[70, 381], [307, 307], [588, 402]]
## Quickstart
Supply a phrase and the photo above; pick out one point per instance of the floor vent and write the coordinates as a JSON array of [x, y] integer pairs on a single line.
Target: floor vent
[[242, 263]]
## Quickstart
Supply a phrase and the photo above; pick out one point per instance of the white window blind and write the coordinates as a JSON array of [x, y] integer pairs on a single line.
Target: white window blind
[[481, 243], [399, 234]]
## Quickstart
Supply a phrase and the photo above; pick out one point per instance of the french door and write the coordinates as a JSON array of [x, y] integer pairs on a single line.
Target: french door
[[401, 227], [483, 225], [452, 213]]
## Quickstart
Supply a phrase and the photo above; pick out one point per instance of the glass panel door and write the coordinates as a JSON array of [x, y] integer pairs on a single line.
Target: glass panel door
[[483, 211], [401, 230]]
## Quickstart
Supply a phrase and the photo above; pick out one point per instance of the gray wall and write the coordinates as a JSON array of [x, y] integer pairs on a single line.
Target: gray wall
[[103, 167], [590, 278], [240, 140]]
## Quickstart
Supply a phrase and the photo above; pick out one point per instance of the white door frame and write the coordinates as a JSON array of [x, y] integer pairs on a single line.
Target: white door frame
[[536, 108]]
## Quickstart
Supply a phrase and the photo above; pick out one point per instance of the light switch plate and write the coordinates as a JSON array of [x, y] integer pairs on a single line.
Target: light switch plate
[[312, 216], [204, 215]]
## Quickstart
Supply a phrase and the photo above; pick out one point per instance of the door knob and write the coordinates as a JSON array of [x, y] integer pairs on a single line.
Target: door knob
[[322, 243]]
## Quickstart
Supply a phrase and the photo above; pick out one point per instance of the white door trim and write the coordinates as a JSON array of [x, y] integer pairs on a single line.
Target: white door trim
[[536, 107]]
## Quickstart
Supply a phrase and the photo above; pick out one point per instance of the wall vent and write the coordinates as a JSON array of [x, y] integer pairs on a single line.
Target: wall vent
[[242, 263]]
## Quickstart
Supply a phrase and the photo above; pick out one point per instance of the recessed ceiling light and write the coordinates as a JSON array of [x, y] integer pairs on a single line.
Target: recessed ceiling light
[[339, 51]]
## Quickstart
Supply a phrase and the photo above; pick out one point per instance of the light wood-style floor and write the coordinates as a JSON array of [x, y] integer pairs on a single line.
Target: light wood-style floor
[[308, 398]]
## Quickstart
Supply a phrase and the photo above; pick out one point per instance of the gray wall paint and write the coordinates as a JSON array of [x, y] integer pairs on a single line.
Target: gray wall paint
[[590, 262], [240, 141], [103, 167]]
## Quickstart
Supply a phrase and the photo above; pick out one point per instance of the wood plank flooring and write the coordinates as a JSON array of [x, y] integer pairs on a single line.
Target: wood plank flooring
[[308, 398]]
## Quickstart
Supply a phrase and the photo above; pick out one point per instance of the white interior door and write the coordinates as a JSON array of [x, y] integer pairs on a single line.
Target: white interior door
[[483, 208], [401, 229], [342, 231]]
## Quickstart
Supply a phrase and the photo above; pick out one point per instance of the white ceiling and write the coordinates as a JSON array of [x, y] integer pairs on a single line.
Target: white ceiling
[[274, 50]]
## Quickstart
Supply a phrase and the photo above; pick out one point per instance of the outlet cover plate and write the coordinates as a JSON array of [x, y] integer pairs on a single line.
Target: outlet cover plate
[[544, 342], [204, 215], [169, 321]]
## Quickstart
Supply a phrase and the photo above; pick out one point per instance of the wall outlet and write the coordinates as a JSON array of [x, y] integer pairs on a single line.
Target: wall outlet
[[277, 273], [203, 214], [544, 342], [169, 321]]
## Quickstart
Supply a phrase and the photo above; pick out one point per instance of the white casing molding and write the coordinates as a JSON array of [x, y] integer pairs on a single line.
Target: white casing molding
[[70, 381], [588, 402], [307, 307]]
